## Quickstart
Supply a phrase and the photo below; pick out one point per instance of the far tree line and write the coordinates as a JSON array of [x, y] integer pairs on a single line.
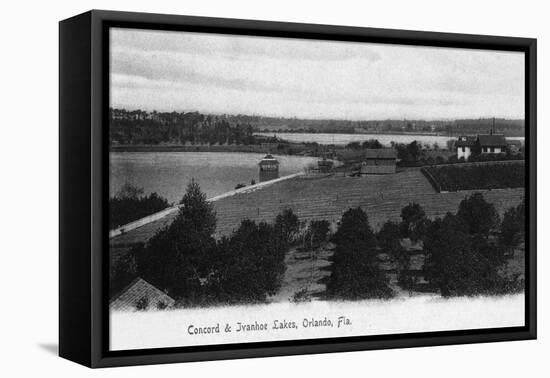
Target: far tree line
[[140, 127], [266, 124]]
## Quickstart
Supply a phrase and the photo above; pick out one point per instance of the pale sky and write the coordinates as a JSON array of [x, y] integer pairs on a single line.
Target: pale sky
[[213, 73]]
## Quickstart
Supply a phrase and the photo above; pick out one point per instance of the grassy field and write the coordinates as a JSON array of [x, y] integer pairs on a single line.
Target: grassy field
[[382, 197]]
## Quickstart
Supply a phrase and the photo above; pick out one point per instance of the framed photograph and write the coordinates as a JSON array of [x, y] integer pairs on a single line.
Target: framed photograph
[[234, 188]]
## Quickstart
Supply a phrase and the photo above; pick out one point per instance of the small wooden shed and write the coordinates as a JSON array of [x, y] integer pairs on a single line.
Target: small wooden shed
[[379, 161]]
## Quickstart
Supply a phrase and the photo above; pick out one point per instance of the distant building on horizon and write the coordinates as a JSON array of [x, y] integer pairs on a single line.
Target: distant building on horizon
[[480, 144], [483, 144], [269, 168]]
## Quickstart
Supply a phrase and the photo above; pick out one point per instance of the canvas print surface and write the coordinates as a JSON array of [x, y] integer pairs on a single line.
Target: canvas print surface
[[266, 189]]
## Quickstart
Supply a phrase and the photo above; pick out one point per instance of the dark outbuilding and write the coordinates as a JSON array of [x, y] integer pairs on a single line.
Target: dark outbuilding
[[379, 161]]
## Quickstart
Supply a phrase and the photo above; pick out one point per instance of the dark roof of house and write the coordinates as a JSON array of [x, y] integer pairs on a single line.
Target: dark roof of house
[[380, 153], [465, 141], [495, 140]]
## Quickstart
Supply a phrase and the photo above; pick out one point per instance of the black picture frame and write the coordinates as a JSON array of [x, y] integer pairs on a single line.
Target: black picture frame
[[83, 167]]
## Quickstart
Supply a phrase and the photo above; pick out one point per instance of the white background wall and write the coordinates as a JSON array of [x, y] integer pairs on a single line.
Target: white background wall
[[29, 186]]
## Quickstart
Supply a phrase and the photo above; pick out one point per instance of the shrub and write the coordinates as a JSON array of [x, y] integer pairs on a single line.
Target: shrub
[[389, 237], [316, 233], [413, 221], [389, 242], [178, 256], [354, 145], [248, 267], [301, 296], [512, 228], [457, 263], [122, 272], [478, 215], [130, 204], [142, 304], [461, 257], [409, 154], [355, 273], [372, 143], [287, 226]]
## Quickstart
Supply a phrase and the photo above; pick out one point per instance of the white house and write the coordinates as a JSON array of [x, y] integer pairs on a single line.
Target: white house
[[492, 143], [464, 146], [482, 144]]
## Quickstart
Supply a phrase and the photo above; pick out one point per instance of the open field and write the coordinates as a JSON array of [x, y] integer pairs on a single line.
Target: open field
[[382, 197]]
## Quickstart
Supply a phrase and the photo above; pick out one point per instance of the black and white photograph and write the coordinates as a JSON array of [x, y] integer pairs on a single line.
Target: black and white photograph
[[233, 189], [266, 189]]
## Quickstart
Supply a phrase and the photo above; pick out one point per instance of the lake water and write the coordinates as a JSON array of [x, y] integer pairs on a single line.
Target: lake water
[[385, 139], [168, 173]]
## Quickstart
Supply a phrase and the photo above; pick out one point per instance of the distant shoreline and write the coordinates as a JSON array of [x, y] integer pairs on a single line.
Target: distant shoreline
[[291, 131], [408, 133]]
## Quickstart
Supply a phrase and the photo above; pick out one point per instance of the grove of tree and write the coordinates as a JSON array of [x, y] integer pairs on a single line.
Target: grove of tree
[[130, 204], [185, 260]]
